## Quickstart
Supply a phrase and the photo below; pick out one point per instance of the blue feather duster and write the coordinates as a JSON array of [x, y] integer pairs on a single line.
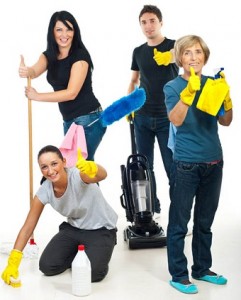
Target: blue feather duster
[[123, 107]]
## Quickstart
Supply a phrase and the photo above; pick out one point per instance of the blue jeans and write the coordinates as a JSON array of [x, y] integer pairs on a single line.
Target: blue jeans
[[93, 133], [146, 130], [188, 181]]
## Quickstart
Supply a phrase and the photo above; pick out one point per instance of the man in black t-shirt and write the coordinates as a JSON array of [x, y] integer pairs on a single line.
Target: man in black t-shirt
[[152, 67]]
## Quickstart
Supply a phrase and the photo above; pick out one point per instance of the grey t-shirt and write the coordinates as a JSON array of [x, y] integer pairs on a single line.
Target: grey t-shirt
[[83, 204]]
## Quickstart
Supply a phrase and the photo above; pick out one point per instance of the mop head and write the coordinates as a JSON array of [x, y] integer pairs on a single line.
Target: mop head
[[123, 107], [30, 251]]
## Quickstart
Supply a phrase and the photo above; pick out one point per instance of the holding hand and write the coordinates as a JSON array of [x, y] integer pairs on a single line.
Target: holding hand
[[31, 93], [194, 83], [130, 117], [227, 100], [11, 270], [162, 58], [86, 166]]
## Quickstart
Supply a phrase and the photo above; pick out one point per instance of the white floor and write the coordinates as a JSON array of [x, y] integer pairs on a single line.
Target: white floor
[[136, 274]]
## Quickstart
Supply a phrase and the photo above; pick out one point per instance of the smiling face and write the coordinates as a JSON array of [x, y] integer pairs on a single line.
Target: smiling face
[[52, 166], [193, 57], [63, 35], [191, 51]]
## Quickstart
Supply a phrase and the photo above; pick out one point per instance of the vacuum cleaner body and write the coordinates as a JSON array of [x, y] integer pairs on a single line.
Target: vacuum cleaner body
[[138, 201]]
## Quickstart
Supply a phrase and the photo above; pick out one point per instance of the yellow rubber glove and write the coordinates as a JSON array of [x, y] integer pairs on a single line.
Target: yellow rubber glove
[[11, 270], [227, 100], [162, 58], [194, 83], [87, 167]]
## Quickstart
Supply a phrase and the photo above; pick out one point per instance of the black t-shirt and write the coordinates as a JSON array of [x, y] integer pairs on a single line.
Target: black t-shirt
[[58, 77], [153, 77]]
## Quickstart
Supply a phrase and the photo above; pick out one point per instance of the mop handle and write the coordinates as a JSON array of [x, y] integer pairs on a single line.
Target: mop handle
[[30, 146]]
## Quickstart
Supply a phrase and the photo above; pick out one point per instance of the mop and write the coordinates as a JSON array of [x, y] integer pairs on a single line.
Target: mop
[[31, 250]]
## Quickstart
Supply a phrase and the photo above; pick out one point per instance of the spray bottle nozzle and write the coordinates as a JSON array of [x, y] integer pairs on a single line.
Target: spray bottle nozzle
[[217, 72]]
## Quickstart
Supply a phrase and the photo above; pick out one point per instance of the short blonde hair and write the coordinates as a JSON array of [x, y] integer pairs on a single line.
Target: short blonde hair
[[187, 41]]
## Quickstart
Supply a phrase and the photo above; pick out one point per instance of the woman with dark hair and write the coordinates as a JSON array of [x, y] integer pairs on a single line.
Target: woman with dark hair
[[69, 71], [91, 221]]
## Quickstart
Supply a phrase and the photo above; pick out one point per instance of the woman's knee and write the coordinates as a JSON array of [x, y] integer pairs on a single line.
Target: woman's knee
[[49, 269], [98, 274]]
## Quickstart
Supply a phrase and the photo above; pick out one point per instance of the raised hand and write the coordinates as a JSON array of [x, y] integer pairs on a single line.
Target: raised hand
[[87, 167], [23, 70], [162, 58], [194, 82], [188, 94]]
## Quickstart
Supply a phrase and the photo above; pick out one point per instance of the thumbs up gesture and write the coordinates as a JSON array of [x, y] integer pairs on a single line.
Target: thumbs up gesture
[[193, 81], [162, 58], [23, 70], [87, 167], [188, 94]]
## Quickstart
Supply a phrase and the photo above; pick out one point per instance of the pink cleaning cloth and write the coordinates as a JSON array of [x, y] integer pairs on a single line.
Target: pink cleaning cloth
[[74, 139]]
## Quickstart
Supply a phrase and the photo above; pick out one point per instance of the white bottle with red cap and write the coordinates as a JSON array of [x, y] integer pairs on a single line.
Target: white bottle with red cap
[[81, 273]]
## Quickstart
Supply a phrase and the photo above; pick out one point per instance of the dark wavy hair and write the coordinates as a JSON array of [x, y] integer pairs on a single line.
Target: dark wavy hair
[[52, 47]]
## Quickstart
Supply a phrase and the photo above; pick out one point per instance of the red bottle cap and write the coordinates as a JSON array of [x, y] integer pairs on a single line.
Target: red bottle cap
[[81, 247]]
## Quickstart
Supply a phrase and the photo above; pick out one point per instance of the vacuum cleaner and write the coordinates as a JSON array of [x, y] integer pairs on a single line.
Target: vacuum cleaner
[[138, 201]]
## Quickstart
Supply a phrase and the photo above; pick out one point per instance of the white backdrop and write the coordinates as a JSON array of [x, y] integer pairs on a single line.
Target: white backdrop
[[110, 30]]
